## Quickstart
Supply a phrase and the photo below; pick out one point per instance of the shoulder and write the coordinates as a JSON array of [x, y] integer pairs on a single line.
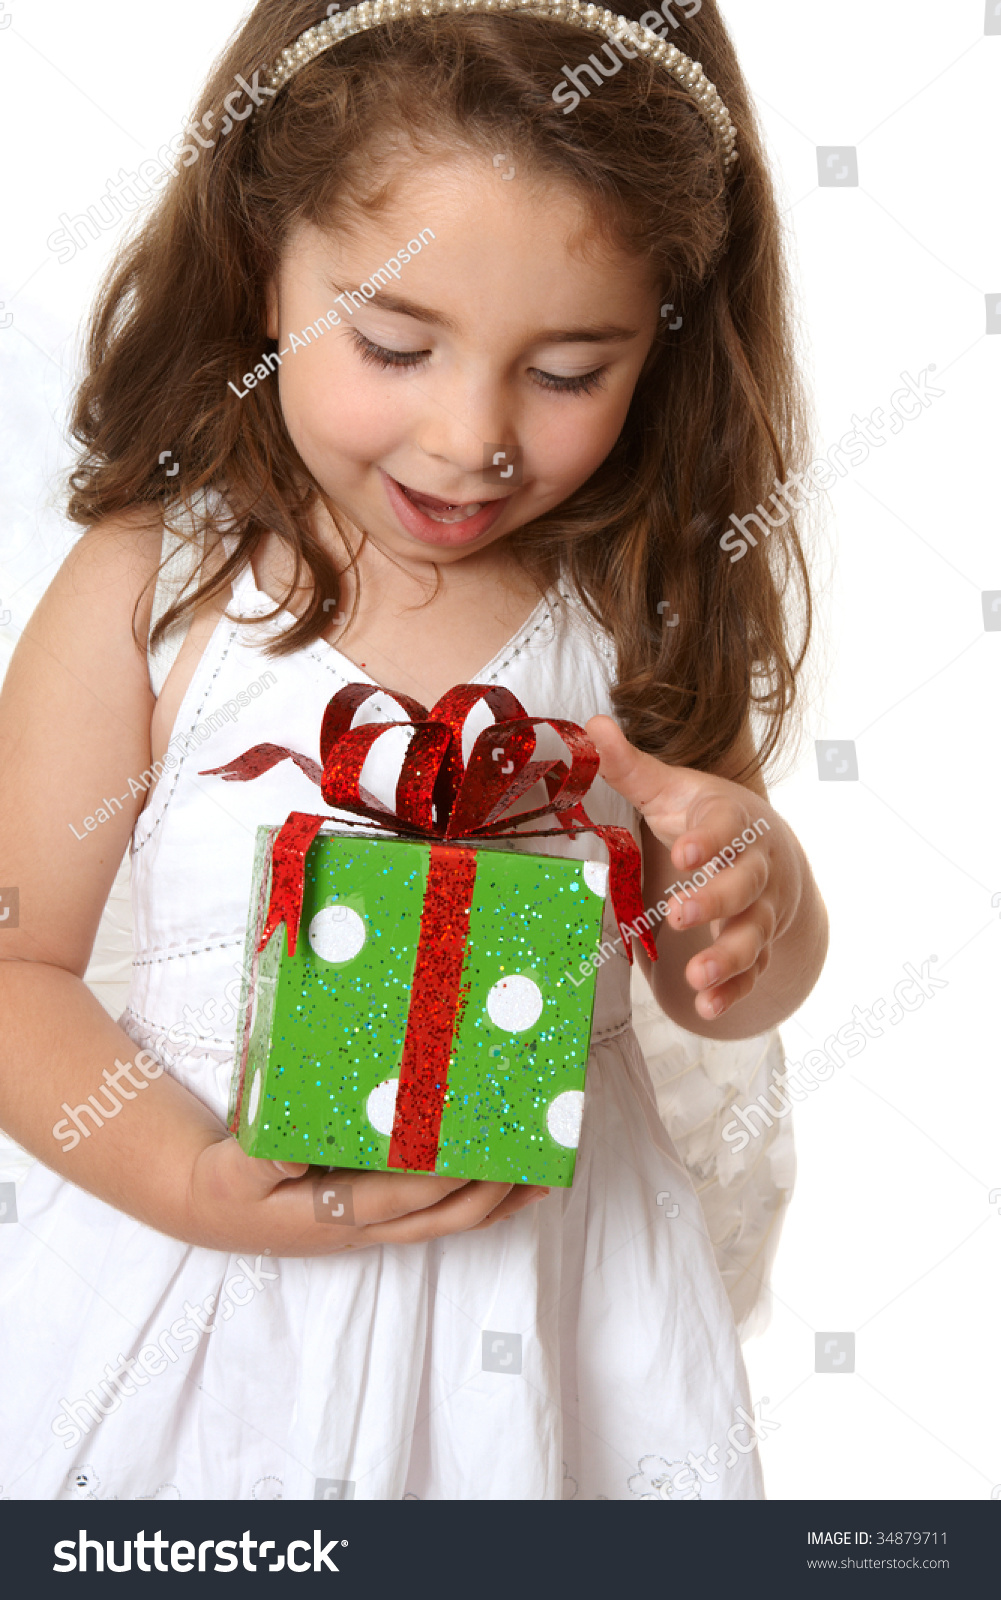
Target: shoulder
[[118, 548], [108, 581], [104, 583], [74, 728], [83, 649]]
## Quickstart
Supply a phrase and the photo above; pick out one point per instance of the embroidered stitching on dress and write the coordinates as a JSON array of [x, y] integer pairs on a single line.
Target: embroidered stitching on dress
[[579, 616], [519, 643], [612, 1031], [161, 1031], [180, 765], [515, 653], [176, 955], [317, 655]]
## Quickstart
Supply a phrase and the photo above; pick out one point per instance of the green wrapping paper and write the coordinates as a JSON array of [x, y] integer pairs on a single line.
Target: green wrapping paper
[[325, 1035]]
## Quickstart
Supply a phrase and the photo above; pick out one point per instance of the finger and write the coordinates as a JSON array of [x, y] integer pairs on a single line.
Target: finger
[[734, 891], [306, 1219], [381, 1196], [382, 1208], [735, 951], [457, 1213], [645, 782], [235, 1173], [344, 1208], [292, 1169], [521, 1196], [713, 1003], [713, 822]]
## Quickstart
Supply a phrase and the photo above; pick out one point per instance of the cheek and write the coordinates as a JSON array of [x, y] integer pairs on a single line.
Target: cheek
[[576, 440], [333, 408]]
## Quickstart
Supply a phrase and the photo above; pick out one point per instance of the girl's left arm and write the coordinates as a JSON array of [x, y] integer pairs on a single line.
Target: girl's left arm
[[741, 951]]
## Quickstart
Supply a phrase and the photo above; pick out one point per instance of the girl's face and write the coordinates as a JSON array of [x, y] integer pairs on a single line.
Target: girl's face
[[488, 377]]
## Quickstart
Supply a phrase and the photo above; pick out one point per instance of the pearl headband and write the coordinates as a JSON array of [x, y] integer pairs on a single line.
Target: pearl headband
[[595, 19]]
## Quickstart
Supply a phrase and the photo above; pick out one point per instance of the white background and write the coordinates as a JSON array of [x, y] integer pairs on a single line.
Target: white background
[[891, 1234]]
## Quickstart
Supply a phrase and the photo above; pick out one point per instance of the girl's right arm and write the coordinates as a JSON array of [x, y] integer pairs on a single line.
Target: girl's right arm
[[74, 729]]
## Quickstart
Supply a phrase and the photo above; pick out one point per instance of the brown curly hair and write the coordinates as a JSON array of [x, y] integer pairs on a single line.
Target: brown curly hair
[[717, 415]]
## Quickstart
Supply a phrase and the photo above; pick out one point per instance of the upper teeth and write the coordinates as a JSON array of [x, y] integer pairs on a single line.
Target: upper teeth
[[459, 514]]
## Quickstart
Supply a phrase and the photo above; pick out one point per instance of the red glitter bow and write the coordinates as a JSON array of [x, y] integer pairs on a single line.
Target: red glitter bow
[[438, 796]]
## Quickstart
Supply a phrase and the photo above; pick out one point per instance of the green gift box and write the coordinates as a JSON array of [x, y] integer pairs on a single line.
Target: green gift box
[[408, 1001], [434, 1016]]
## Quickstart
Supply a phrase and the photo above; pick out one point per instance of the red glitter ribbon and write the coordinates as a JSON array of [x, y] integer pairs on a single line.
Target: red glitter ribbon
[[439, 797], [435, 1005]]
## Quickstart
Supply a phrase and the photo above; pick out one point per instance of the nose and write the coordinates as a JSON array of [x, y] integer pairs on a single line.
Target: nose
[[465, 422]]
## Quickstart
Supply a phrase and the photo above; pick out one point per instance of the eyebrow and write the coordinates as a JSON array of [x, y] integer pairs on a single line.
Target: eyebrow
[[603, 333]]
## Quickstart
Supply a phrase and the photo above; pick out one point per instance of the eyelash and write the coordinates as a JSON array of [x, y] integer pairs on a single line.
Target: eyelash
[[387, 358], [587, 383]]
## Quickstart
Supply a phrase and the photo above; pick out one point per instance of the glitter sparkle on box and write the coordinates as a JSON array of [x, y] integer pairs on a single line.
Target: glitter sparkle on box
[[412, 1001], [425, 1021]]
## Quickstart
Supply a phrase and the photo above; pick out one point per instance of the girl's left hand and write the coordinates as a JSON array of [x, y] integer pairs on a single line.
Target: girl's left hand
[[752, 894]]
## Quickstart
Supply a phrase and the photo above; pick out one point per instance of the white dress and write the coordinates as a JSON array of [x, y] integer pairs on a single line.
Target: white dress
[[583, 1349]]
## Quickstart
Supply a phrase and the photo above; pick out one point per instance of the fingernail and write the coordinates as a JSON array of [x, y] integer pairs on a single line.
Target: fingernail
[[692, 853], [690, 914], [718, 1005], [710, 972]]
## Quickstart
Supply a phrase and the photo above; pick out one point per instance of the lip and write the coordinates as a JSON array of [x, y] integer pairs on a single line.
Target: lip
[[427, 531]]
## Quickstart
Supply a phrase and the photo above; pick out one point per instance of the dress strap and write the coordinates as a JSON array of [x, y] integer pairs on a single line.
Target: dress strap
[[181, 555], [180, 559], [249, 599]]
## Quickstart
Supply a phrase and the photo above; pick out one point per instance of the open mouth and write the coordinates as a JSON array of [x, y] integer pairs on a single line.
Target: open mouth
[[436, 521], [441, 510]]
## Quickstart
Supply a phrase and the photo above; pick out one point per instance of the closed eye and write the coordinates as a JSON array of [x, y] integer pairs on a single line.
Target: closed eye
[[380, 357], [586, 383]]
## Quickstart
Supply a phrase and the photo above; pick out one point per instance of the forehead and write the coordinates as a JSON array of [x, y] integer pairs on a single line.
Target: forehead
[[498, 222]]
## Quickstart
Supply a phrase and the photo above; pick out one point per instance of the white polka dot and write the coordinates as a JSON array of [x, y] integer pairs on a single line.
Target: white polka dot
[[514, 1004], [596, 877], [381, 1105], [255, 1097], [563, 1118], [337, 933]]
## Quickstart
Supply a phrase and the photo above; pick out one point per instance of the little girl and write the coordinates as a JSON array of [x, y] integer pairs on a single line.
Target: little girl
[[460, 383]]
